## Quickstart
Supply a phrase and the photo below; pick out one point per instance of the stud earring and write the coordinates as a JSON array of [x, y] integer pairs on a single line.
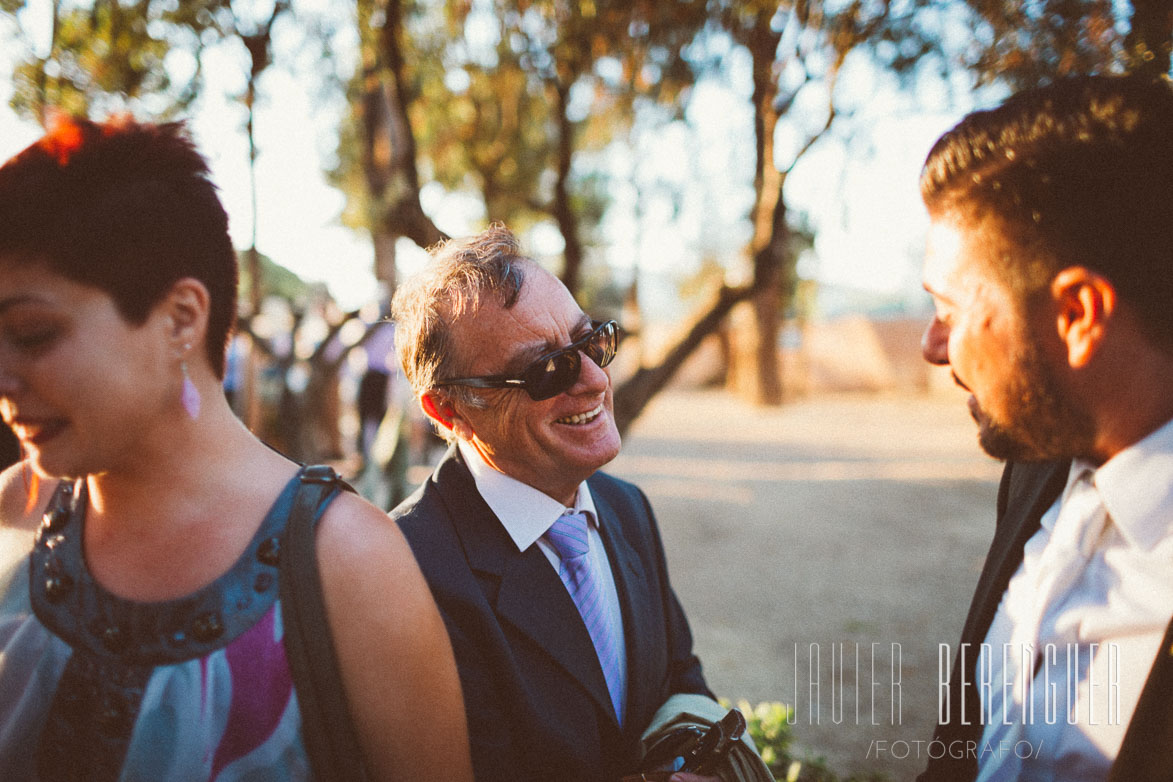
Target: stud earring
[[189, 395]]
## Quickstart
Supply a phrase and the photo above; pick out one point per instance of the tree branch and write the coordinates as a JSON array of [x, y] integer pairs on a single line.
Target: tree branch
[[633, 395]]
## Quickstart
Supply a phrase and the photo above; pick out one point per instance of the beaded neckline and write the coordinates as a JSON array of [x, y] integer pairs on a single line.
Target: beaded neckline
[[71, 604]]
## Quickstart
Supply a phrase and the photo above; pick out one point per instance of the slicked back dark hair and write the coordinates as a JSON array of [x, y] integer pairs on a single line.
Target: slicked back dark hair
[[1077, 173], [127, 208]]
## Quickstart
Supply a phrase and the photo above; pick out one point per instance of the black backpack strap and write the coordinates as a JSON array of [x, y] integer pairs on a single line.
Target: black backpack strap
[[330, 740]]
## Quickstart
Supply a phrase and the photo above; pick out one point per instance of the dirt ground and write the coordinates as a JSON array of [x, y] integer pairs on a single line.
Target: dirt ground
[[822, 551]]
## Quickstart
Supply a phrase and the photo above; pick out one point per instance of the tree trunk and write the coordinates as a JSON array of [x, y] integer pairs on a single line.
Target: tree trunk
[[633, 395], [768, 245], [258, 44], [768, 248], [562, 208], [43, 102], [385, 255], [320, 433], [388, 147], [770, 276]]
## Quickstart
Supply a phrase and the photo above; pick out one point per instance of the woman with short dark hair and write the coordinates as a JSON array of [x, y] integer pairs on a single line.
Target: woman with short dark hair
[[141, 606]]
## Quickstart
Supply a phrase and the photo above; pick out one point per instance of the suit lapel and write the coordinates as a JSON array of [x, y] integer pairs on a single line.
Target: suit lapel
[[635, 600], [1033, 490], [529, 594], [535, 601], [1145, 754]]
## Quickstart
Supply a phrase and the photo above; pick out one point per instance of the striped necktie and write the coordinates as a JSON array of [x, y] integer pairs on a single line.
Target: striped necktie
[[568, 536]]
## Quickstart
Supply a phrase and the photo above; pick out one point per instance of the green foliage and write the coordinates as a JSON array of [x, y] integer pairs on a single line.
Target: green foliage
[[1024, 44], [493, 132], [106, 57], [769, 725], [276, 280], [487, 80], [770, 729]]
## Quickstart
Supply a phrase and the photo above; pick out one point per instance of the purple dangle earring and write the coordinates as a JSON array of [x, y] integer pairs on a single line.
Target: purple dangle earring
[[189, 395], [30, 479]]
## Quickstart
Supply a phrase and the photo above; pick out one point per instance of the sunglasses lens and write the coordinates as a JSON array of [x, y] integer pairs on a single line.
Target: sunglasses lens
[[558, 372], [601, 347], [553, 376]]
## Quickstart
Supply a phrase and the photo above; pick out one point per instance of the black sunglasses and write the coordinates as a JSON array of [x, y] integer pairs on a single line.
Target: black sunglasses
[[554, 372]]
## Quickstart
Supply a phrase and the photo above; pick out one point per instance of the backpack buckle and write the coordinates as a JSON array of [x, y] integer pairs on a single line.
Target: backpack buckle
[[318, 473]]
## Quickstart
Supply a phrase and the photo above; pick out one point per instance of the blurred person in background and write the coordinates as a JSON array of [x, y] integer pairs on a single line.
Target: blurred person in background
[[382, 402]]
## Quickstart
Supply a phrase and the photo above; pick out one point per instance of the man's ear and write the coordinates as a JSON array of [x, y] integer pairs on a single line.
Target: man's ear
[[185, 308], [1085, 303], [443, 411], [437, 408]]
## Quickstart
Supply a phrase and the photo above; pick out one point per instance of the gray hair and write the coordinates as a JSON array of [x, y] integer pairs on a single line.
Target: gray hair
[[461, 274]]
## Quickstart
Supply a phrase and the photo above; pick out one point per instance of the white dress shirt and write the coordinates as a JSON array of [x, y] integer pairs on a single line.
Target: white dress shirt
[[527, 514], [1083, 616]]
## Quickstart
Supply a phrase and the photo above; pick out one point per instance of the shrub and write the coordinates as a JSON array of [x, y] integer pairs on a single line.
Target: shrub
[[769, 727]]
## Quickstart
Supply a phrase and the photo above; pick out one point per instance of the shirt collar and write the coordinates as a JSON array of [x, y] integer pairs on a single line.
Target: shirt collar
[[1079, 467], [525, 512], [1136, 486]]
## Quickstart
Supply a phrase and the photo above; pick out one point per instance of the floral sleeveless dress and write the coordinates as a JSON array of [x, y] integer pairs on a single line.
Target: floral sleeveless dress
[[95, 687]]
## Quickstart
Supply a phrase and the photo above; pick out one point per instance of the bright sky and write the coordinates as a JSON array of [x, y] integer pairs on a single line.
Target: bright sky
[[298, 223], [862, 195]]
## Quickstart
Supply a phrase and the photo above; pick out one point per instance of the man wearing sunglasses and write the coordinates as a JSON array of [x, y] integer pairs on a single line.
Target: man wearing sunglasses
[[550, 575]]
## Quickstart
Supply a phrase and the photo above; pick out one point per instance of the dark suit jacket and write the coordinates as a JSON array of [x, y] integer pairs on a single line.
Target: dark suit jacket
[[537, 703], [1025, 494]]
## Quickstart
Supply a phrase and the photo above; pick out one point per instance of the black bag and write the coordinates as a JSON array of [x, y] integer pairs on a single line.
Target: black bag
[[330, 740]]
